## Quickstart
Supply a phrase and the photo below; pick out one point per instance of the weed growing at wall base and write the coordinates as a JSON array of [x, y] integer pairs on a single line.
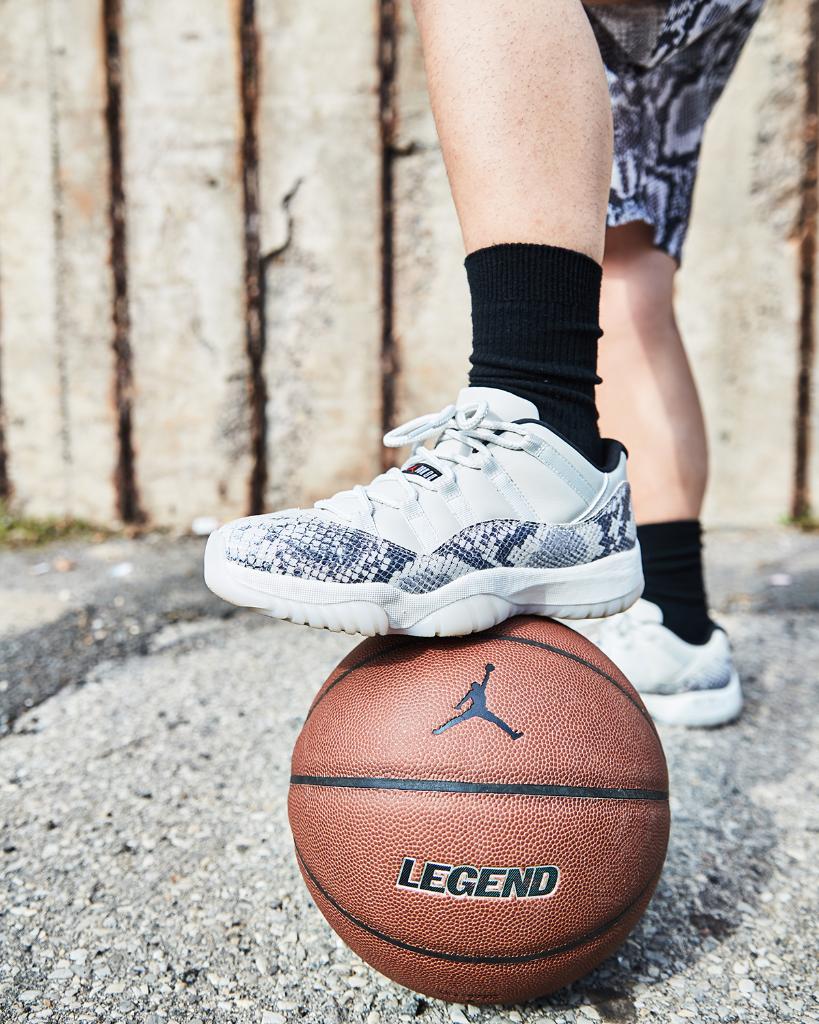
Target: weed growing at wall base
[[17, 531]]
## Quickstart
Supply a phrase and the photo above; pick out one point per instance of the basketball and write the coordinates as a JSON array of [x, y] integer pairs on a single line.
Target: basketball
[[482, 819]]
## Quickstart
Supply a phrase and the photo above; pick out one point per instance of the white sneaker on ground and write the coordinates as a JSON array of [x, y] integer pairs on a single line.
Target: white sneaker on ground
[[500, 517], [680, 683]]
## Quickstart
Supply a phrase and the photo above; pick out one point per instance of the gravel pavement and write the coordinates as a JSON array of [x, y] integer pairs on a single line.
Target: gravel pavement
[[146, 868]]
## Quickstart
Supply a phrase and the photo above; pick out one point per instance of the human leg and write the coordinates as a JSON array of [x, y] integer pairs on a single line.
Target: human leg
[[666, 644], [522, 109], [648, 398], [523, 113]]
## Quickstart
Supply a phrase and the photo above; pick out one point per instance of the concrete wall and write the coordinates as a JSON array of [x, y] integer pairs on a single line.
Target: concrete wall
[[228, 257]]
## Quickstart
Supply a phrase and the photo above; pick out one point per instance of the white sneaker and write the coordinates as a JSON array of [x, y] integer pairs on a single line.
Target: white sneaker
[[501, 517], [680, 683]]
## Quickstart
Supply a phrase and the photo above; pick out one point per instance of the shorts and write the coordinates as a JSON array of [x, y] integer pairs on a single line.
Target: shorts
[[667, 63]]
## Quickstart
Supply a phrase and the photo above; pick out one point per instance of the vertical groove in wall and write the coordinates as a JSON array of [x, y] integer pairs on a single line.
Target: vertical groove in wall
[[255, 326], [809, 224], [58, 227], [127, 493], [386, 60]]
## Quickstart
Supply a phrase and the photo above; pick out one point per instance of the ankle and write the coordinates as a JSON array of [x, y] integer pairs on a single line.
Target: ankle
[[672, 566], [535, 311]]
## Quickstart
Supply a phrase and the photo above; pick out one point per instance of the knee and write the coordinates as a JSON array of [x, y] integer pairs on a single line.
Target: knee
[[638, 283]]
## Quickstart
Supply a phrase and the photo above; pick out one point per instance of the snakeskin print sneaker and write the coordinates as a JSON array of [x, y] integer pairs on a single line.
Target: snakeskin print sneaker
[[680, 683], [499, 517]]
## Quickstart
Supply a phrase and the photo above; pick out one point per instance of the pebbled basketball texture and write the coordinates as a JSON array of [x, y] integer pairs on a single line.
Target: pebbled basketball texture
[[484, 818]]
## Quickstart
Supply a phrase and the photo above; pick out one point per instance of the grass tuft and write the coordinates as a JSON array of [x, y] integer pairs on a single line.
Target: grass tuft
[[19, 531], [807, 522]]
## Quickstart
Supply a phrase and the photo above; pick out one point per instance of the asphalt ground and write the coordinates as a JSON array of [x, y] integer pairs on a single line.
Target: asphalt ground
[[146, 866]]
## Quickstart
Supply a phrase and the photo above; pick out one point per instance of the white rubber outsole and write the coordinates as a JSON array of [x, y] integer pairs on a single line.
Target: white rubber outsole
[[697, 708], [469, 604]]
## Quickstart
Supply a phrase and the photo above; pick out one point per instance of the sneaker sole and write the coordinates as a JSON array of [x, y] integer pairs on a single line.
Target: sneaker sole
[[468, 604], [697, 708]]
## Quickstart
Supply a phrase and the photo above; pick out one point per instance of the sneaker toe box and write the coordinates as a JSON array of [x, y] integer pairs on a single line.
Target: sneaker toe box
[[307, 545]]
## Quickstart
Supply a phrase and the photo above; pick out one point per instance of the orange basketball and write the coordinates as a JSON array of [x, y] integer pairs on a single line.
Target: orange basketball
[[482, 818]]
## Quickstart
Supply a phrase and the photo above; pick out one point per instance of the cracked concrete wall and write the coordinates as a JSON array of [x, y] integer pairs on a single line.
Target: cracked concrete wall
[[738, 291], [55, 293], [318, 135], [432, 301], [320, 325], [181, 137]]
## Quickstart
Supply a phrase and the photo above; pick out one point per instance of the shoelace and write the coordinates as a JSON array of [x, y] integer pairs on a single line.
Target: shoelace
[[464, 425]]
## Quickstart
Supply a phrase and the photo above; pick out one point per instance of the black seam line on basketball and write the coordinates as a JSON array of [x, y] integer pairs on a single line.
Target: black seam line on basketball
[[455, 786], [359, 664], [482, 639], [458, 958], [581, 661]]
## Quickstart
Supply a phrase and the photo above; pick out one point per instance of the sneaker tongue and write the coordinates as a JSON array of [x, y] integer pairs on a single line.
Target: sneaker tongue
[[502, 404]]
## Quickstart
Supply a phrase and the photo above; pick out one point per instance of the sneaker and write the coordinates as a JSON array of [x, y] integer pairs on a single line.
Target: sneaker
[[500, 517], [680, 683]]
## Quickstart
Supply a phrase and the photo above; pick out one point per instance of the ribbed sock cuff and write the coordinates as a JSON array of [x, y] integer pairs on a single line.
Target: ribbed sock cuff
[[525, 271], [535, 326]]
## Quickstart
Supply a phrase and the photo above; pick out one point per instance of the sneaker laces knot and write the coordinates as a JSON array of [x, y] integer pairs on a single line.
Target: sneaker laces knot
[[472, 427]]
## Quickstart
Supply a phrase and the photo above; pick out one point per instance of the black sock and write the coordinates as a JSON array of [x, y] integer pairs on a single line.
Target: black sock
[[535, 326], [672, 566]]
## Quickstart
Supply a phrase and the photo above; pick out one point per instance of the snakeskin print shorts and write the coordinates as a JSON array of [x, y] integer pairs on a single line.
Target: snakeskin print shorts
[[667, 62]]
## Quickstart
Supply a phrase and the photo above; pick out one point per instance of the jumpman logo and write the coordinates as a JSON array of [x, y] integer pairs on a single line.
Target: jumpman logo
[[475, 696]]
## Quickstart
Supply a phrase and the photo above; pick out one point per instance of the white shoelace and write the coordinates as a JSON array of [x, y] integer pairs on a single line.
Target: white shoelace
[[465, 425]]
